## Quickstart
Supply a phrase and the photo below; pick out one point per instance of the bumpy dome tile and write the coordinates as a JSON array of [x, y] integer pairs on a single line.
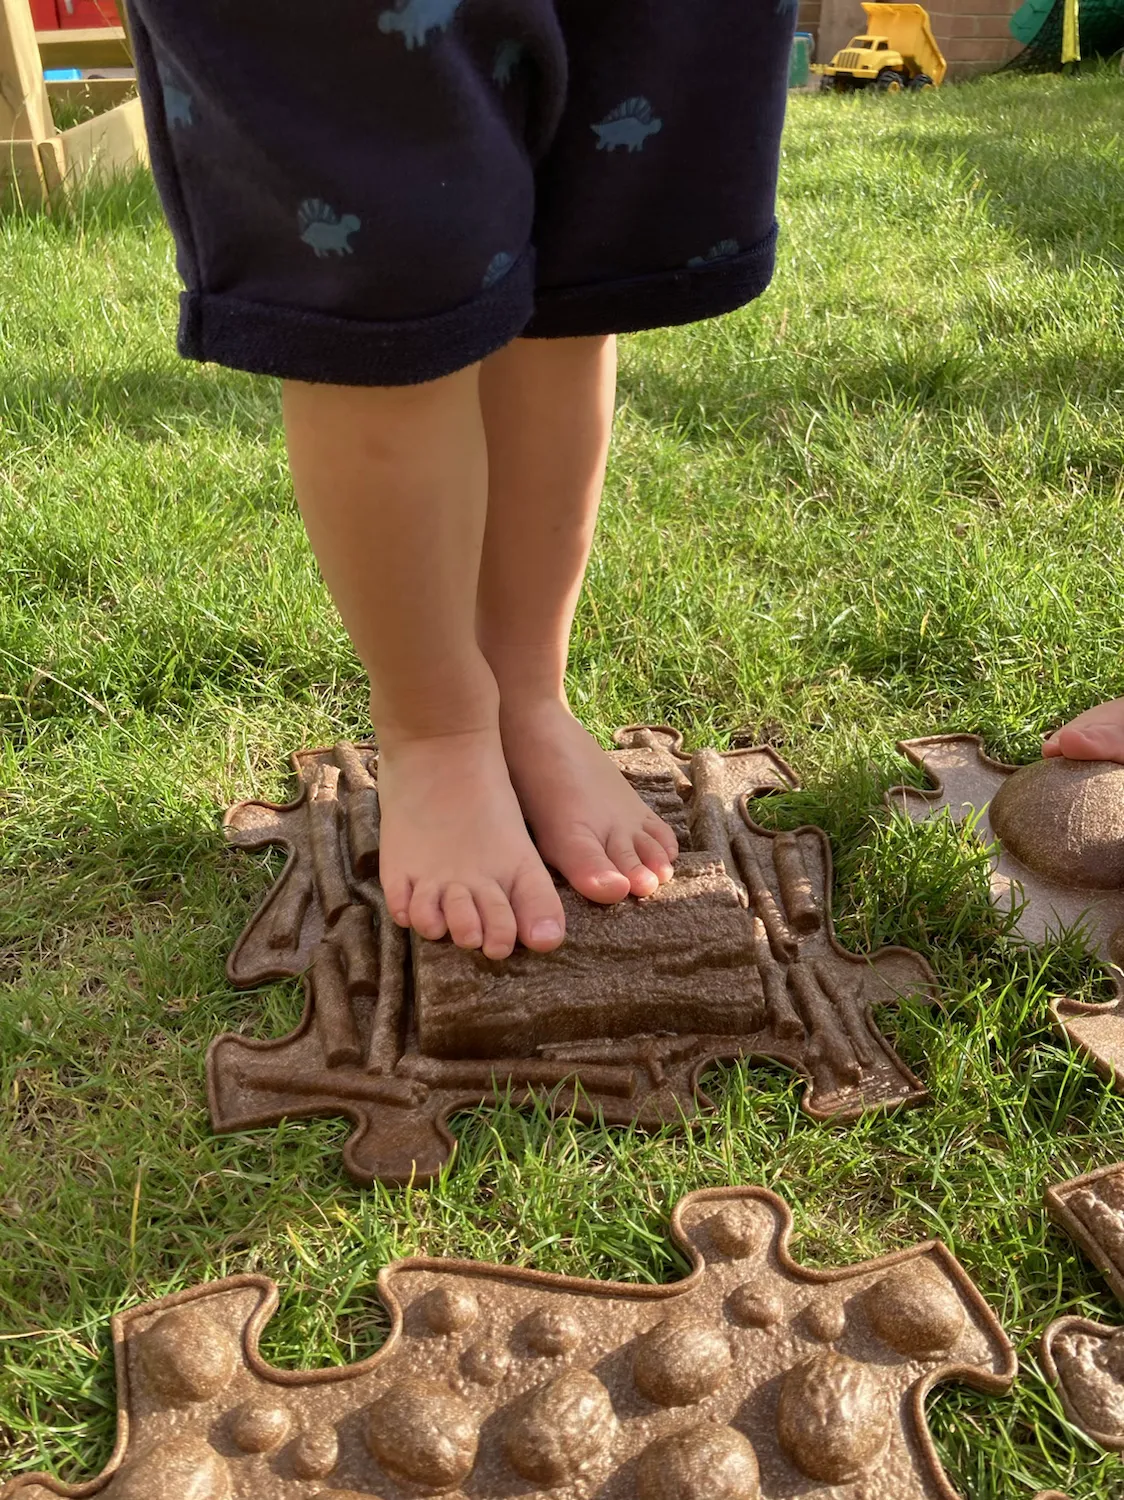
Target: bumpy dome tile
[[187, 1357], [1064, 819], [833, 1418], [681, 1362], [1084, 1359], [260, 1426], [699, 1463], [316, 1452], [421, 1432], [179, 1468], [450, 1309], [682, 1392], [915, 1312], [562, 1429], [1056, 831]]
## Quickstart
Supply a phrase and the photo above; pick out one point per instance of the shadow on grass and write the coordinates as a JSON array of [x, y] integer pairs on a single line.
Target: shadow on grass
[[147, 405], [1065, 204]]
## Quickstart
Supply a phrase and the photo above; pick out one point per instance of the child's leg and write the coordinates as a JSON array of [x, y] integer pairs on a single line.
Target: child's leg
[[392, 483], [548, 411], [1097, 734]]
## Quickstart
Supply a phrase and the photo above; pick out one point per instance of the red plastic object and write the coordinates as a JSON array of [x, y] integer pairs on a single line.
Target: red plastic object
[[82, 14], [44, 15]]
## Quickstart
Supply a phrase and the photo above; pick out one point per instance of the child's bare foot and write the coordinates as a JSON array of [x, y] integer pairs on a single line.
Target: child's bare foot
[[1097, 734], [455, 854], [588, 822]]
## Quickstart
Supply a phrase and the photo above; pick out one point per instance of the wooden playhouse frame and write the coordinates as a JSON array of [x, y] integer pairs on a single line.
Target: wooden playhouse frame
[[36, 158]]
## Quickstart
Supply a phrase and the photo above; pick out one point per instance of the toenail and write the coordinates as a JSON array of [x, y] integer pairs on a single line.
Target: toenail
[[546, 932]]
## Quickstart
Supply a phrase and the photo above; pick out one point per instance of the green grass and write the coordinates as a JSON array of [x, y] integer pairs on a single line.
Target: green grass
[[884, 501]]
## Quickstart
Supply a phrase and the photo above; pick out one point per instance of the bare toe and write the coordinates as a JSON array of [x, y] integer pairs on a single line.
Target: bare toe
[[657, 829], [582, 859], [1092, 742], [426, 917], [654, 855], [398, 894], [500, 929], [462, 917], [622, 851], [538, 910]]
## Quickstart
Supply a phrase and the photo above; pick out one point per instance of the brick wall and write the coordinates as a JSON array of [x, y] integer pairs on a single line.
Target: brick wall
[[974, 35]]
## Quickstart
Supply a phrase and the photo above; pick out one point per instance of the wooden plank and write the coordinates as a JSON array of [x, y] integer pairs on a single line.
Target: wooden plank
[[106, 145], [20, 170], [25, 112], [52, 163], [91, 93], [96, 47]]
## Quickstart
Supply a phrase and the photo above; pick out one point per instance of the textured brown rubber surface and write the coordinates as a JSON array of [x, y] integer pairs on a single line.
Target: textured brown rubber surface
[[735, 957], [1059, 827], [752, 1377], [1085, 1360]]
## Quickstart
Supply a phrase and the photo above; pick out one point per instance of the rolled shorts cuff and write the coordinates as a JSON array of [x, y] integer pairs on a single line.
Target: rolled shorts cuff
[[300, 344], [685, 295]]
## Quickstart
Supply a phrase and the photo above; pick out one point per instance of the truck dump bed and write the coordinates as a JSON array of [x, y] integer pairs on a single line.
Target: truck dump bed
[[907, 29]]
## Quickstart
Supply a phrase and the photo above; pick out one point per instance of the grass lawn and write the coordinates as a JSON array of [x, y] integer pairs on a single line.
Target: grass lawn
[[884, 501]]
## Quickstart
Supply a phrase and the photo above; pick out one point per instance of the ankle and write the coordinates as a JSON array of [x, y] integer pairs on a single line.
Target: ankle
[[446, 719], [531, 706]]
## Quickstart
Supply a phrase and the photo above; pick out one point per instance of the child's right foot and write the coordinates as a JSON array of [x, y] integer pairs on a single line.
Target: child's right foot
[[1097, 734], [455, 856]]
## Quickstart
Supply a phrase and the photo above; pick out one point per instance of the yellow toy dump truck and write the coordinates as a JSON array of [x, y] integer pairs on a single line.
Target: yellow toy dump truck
[[898, 51]]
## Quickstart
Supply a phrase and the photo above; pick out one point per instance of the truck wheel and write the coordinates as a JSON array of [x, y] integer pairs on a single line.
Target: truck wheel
[[921, 82], [890, 81]]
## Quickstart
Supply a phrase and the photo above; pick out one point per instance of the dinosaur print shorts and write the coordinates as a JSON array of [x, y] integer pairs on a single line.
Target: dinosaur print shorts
[[381, 192]]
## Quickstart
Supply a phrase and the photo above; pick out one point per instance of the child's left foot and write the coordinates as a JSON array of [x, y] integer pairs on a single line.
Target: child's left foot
[[1097, 734], [588, 823]]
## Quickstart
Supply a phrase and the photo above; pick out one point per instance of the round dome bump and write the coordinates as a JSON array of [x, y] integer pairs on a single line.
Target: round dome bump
[[681, 1362], [553, 1331], [1064, 819], [916, 1311], [752, 1308], [825, 1320], [450, 1309], [260, 1426], [187, 1357], [700, 1463], [316, 1453], [421, 1432], [833, 1420], [740, 1230], [561, 1430], [185, 1467], [485, 1364]]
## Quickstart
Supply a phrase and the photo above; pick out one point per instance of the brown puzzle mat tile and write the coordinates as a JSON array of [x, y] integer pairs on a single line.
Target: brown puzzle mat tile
[[1059, 828], [736, 957], [752, 1377], [1083, 1359]]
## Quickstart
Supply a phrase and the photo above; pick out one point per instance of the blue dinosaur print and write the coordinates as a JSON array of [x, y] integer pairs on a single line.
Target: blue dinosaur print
[[324, 230], [498, 267], [629, 125], [724, 250], [509, 55], [178, 103], [415, 19]]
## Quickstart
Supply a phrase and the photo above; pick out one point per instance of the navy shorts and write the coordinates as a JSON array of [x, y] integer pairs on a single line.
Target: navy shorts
[[380, 192]]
